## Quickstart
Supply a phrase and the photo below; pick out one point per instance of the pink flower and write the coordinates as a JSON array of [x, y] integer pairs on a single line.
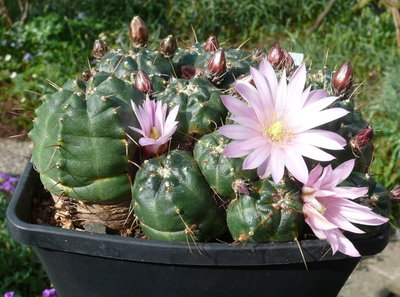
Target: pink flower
[[275, 128], [327, 207], [156, 129]]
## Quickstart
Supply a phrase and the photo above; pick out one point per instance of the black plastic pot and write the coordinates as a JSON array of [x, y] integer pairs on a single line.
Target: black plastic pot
[[83, 264]]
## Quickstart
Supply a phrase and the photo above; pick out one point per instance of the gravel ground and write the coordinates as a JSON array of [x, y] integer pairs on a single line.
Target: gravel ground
[[13, 155]]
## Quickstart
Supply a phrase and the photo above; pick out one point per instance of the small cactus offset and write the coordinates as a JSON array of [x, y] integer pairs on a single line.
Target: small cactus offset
[[267, 212], [209, 142]]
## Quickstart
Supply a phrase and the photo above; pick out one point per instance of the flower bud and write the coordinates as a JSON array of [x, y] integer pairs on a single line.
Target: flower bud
[[189, 71], [143, 82], [212, 44], [288, 63], [363, 137], [86, 75], [395, 193], [99, 49], [240, 187], [276, 56], [138, 32], [247, 79], [217, 63], [342, 80], [168, 46]]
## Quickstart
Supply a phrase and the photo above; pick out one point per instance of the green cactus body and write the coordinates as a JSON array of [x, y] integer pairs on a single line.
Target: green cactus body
[[348, 127], [79, 143], [126, 64], [237, 61], [270, 213], [200, 107], [221, 173], [173, 201]]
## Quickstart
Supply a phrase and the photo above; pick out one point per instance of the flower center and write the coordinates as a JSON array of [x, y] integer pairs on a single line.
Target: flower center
[[154, 133], [276, 132]]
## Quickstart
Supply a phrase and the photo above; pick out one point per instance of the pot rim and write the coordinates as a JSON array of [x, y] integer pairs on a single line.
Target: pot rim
[[164, 252]]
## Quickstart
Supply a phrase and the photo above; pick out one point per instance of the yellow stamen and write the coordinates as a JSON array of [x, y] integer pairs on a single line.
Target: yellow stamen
[[276, 130], [154, 133]]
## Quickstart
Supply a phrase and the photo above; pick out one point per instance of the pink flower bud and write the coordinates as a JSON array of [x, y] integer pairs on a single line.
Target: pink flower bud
[[168, 46], [217, 64], [289, 63], [276, 56], [99, 49], [143, 82], [212, 44], [395, 192], [247, 79], [189, 71], [138, 32], [342, 80], [363, 137], [240, 187]]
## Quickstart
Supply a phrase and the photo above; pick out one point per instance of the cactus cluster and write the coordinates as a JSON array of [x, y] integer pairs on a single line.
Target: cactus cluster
[[87, 143]]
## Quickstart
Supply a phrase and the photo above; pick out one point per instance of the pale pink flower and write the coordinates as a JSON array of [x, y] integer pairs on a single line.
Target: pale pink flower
[[275, 128], [156, 128], [328, 207]]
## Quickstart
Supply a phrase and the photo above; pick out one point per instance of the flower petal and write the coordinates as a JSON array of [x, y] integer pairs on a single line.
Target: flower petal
[[341, 172], [350, 192], [313, 152], [235, 149], [296, 165], [339, 242], [314, 175], [277, 159], [268, 71], [250, 94], [315, 95], [263, 89], [237, 107], [296, 85], [316, 220], [256, 158], [321, 138], [238, 132], [317, 119]]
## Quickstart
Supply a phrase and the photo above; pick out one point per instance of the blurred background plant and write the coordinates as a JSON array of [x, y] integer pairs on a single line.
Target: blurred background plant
[[52, 40], [20, 270]]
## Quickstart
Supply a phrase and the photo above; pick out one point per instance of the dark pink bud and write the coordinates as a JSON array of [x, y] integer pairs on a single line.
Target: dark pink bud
[[342, 80], [212, 44], [288, 63], [189, 71], [99, 49], [138, 32], [168, 46], [247, 79], [86, 75], [143, 82], [395, 192], [276, 56], [363, 137], [217, 63], [239, 186]]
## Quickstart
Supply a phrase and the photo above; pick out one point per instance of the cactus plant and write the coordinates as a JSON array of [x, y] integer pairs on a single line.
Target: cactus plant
[[269, 212], [253, 142], [80, 147]]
